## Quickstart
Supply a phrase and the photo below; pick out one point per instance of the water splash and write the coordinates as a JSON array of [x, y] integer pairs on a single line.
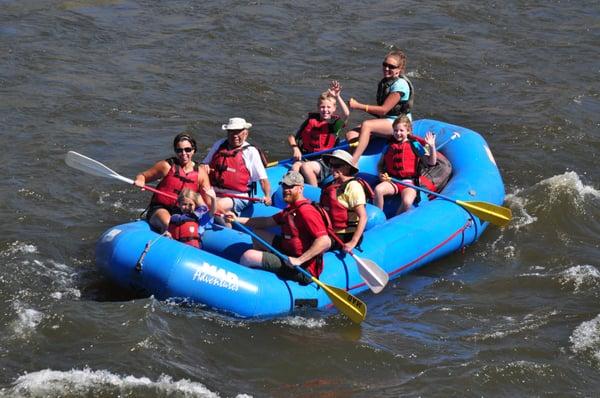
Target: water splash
[[86, 381], [570, 183], [580, 276], [586, 338], [300, 321], [27, 320], [18, 247]]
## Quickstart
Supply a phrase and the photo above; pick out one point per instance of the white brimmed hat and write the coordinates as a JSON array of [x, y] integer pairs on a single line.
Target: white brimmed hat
[[344, 157], [292, 178], [237, 123]]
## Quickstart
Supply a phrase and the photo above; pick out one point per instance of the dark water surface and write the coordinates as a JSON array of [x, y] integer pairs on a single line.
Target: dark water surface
[[516, 315]]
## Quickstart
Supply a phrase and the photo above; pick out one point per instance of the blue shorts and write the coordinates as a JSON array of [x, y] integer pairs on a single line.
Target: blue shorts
[[239, 205]]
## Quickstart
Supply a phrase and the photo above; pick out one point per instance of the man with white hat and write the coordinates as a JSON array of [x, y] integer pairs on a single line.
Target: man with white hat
[[303, 236], [234, 166]]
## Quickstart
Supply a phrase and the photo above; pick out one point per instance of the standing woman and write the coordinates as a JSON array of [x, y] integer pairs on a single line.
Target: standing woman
[[395, 96], [344, 199], [175, 174]]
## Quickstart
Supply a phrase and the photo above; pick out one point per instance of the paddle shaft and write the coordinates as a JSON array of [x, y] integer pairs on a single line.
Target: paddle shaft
[[243, 197], [490, 212], [310, 155], [349, 305]]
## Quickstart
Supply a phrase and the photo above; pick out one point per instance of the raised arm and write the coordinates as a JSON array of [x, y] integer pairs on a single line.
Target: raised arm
[[336, 90], [432, 156]]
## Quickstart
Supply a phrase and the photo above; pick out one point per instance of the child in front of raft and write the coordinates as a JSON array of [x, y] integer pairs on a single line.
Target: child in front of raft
[[319, 133], [175, 174], [344, 199], [395, 96], [303, 234], [190, 222], [412, 160]]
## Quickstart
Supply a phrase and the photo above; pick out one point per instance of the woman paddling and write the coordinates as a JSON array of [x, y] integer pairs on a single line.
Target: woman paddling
[[395, 96], [175, 173]]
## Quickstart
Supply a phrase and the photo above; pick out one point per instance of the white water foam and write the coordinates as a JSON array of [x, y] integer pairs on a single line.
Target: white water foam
[[53, 383], [510, 326], [520, 216], [581, 276], [569, 182], [27, 319], [299, 321], [586, 338], [62, 275], [17, 247]]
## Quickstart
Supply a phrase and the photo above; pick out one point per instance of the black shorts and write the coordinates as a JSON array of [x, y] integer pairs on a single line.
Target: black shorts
[[273, 263]]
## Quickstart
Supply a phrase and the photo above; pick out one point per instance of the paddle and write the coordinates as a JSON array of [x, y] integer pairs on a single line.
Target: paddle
[[243, 197], [375, 277], [490, 212], [91, 166], [349, 305], [454, 136], [312, 154]]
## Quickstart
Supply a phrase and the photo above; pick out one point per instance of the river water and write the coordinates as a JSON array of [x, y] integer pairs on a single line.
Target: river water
[[516, 314]]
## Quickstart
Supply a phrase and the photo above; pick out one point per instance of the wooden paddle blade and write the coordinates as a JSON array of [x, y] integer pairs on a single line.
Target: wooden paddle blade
[[375, 277], [348, 304], [495, 214]]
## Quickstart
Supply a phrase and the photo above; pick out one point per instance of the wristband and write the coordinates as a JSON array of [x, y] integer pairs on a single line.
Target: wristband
[[294, 146]]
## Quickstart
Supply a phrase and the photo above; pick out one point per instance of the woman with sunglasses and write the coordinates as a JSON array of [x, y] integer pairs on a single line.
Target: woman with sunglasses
[[344, 199], [175, 174], [395, 96]]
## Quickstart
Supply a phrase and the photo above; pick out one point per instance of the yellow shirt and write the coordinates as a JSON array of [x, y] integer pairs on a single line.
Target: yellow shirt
[[353, 195]]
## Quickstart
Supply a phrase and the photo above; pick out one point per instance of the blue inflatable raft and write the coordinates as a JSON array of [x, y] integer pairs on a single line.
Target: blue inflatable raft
[[398, 244]]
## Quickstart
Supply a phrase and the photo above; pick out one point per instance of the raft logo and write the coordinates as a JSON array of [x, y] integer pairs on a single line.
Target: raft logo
[[216, 276]]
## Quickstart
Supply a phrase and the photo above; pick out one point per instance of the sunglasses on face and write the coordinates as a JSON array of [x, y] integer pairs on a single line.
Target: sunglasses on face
[[186, 149], [286, 186], [336, 165], [389, 66]]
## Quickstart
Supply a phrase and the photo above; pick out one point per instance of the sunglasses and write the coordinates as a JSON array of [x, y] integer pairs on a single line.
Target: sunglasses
[[389, 66], [286, 186], [336, 165], [186, 149]]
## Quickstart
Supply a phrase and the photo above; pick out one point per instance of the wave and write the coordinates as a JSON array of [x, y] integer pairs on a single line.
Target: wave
[[27, 320], [53, 383], [548, 193], [586, 338], [581, 276]]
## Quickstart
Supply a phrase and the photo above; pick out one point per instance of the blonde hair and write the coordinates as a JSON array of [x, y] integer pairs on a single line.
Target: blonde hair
[[403, 119], [400, 57], [326, 96], [187, 193]]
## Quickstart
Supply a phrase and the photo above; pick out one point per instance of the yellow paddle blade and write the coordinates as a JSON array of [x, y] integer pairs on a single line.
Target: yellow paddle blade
[[495, 214], [349, 305]]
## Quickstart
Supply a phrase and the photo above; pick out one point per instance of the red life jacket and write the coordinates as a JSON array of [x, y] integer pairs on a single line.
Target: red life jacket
[[317, 135], [184, 228], [401, 160], [174, 182], [228, 169], [296, 242], [338, 213]]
